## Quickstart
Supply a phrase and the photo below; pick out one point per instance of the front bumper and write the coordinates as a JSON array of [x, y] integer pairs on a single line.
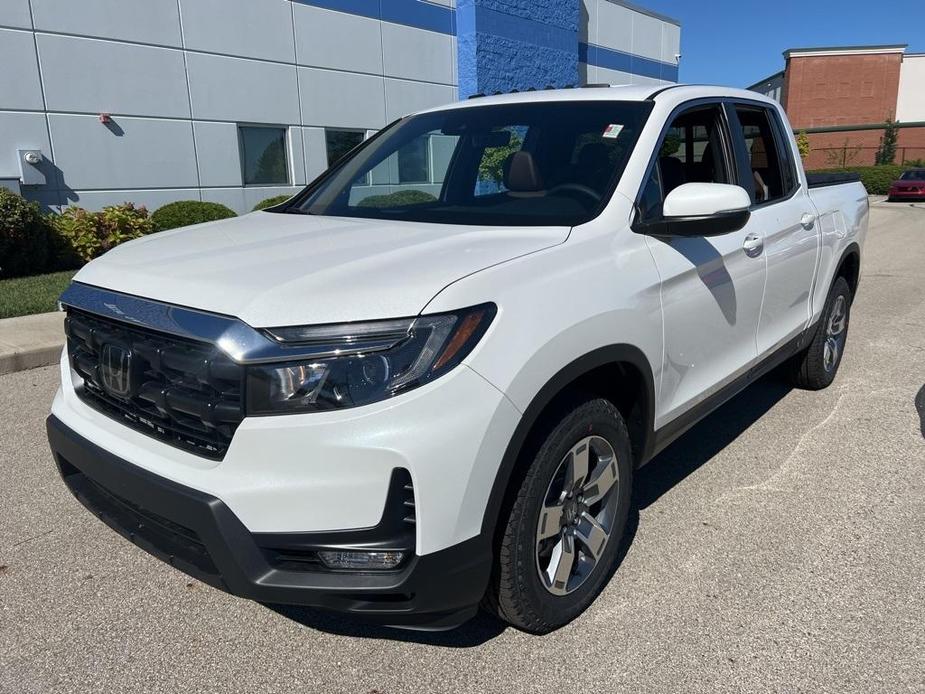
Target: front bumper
[[200, 535], [330, 471]]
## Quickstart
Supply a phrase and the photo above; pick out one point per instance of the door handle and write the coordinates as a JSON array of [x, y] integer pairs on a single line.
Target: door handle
[[808, 221], [753, 245]]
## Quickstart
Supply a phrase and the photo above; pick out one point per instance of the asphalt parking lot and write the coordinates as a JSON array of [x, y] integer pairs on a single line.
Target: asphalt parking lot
[[777, 547]]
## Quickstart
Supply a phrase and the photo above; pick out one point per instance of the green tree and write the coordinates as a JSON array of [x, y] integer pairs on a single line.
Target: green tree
[[887, 152], [671, 145], [803, 145], [492, 166]]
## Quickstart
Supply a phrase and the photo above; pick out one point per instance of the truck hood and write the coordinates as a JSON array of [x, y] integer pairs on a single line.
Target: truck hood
[[271, 269]]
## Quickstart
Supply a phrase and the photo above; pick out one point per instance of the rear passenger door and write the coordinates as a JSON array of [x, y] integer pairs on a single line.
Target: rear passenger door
[[783, 221], [710, 289]]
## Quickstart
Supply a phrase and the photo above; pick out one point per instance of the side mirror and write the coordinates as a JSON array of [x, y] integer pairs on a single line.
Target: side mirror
[[700, 209]]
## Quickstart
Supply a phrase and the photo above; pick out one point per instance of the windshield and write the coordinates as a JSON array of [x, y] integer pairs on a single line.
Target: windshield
[[913, 176], [546, 163]]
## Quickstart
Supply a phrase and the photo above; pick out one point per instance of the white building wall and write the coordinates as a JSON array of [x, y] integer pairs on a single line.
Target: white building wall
[[639, 47], [772, 87], [179, 76], [910, 107]]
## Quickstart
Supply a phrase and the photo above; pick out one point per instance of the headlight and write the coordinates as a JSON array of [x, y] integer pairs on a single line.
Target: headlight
[[360, 363]]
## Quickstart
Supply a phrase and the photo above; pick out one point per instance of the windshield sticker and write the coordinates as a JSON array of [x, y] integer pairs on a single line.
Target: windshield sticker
[[612, 131]]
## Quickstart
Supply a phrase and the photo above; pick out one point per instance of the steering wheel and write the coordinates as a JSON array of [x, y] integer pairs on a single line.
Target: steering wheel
[[578, 188]]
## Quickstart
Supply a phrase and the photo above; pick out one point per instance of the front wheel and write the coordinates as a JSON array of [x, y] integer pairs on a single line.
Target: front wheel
[[815, 369], [563, 533]]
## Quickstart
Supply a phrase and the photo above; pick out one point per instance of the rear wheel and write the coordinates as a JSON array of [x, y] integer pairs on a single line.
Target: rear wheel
[[562, 537], [815, 369]]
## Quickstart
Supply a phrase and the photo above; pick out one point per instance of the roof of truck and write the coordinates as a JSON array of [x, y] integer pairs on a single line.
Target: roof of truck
[[607, 93]]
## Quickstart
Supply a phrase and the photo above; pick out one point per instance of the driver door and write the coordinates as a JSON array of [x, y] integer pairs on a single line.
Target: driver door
[[711, 288]]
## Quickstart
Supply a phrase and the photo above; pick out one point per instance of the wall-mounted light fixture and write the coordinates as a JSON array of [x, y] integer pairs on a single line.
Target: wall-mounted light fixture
[[29, 173]]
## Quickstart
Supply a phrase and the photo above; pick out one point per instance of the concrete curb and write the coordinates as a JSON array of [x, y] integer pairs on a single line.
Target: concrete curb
[[28, 342]]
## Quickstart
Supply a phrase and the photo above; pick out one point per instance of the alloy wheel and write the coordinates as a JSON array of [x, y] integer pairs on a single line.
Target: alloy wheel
[[577, 517], [835, 334]]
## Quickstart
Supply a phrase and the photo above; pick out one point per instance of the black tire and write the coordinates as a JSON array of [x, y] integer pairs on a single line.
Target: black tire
[[517, 592], [812, 370]]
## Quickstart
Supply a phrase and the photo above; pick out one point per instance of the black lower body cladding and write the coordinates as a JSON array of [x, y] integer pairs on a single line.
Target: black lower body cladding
[[200, 535]]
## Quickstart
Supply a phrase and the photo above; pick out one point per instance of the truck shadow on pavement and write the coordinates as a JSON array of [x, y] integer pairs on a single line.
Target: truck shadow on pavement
[[710, 436], [920, 408], [695, 448]]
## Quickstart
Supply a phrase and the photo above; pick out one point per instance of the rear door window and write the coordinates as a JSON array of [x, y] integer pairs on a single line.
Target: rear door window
[[770, 175]]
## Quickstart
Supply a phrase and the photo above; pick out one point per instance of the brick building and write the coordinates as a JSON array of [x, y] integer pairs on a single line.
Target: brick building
[[841, 96]]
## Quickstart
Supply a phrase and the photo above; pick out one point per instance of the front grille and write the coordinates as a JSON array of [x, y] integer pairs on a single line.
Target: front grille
[[185, 393]]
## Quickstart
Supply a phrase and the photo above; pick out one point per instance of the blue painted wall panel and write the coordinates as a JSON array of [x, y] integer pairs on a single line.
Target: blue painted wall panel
[[504, 45], [627, 62], [508, 44], [555, 13], [418, 14], [422, 15]]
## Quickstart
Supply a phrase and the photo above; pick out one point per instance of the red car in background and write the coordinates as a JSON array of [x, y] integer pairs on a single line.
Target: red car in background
[[909, 186]]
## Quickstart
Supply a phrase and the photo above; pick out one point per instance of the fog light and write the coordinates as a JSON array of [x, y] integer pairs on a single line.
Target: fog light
[[361, 560]]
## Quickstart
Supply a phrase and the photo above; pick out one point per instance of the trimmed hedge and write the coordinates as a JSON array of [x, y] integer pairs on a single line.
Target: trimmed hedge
[[88, 235], [185, 212], [397, 199], [876, 179], [23, 236], [271, 202]]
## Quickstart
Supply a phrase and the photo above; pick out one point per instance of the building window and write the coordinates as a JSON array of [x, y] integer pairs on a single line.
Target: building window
[[263, 155], [339, 142]]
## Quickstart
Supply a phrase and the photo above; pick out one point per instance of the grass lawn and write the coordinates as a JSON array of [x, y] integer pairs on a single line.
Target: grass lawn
[[22, 296]]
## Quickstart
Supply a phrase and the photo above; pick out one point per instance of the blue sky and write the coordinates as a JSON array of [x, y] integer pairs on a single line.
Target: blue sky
[[738, 43]]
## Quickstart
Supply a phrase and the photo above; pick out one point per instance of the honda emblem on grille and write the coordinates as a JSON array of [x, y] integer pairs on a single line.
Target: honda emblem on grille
[[116, 370]]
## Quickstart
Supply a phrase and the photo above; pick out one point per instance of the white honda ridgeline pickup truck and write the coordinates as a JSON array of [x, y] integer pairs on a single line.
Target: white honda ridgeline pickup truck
[[403, 401]]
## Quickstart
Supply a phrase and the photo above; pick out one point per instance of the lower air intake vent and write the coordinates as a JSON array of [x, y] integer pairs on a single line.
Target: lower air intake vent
[[395, 533], [408, 502]]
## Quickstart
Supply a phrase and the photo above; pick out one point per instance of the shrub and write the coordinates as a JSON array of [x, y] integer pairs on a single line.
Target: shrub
[[23, 236], [397, 199], [61, 252], [186, 212], [271, 202], [90, 234], [876, 179], [803, 145]]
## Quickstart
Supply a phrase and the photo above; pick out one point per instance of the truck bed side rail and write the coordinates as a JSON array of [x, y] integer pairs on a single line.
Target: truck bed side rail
[[820, 180]]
